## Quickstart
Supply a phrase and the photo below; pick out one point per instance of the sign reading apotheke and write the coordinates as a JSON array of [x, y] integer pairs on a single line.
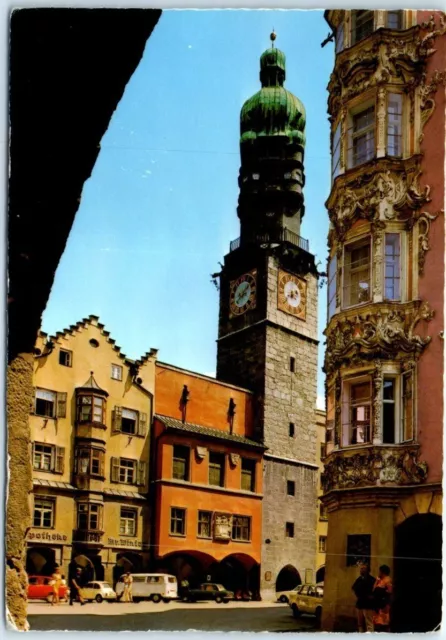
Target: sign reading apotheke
[[46, 536], [115, 542]]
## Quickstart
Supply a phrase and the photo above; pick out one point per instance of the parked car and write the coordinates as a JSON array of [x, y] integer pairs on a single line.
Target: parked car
[[284, 596], [209, 591], [307, 599], [150, 586], [41, 588], [98, 591]]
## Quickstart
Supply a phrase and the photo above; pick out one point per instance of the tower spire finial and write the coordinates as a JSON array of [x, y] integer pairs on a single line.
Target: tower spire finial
[[272, 37]]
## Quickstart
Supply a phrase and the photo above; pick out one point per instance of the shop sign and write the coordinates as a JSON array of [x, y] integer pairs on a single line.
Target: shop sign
[[115, 542], [46, 536]]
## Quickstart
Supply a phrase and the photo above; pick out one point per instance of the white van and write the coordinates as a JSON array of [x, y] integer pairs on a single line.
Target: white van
[[150, 586]]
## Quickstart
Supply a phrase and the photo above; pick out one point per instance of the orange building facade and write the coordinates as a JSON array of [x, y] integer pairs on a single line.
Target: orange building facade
[[207, 481]]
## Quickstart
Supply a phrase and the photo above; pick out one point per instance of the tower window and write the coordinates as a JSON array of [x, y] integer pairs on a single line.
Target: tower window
[[361, 138], [362, 25], [289, 529], [291, 488], [394, 19], [291, 429], [292, 364]]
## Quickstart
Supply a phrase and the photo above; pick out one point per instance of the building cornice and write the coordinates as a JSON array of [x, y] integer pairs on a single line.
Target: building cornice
[[292, 461], [206, 487]]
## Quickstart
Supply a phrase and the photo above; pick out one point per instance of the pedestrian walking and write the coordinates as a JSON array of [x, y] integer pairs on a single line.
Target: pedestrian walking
[[363, 590], [76, 584], [56, 579], [128, 586], [382, 592]]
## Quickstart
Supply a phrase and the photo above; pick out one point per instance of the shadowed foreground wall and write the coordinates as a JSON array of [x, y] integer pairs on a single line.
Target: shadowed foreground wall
[[68, 71]]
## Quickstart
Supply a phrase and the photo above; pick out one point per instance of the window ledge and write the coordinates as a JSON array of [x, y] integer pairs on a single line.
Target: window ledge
[[177, 535]]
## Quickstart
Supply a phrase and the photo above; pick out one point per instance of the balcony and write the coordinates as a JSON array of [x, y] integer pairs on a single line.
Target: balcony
[[89, 537], [283, 235], [373, 466]]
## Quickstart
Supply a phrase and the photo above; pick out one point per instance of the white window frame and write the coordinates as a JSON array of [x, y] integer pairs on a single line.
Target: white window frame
[[399, 277], [396, 404], [43, 455], [130, 414], [332, 273], [51, 396], [124, 471], [118, 370], [127, 523], [339, 38], [348, 247], [205, 522], [47, 505], [241, 525], [397, 97], [69, 357], [346, 410], [336, 150]]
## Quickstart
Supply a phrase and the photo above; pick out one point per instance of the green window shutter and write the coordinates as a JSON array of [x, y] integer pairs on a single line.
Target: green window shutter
[[142, 424], [61, 411], [60, 460], [102, 464], [114, 473], [117, 419], [141, 473], [32, 406]]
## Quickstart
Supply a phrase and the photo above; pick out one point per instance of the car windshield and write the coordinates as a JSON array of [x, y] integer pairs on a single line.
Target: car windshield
[[220, 587]]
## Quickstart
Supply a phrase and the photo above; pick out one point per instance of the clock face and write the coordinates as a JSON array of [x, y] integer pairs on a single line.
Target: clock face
[[243, 293], [292, 294]]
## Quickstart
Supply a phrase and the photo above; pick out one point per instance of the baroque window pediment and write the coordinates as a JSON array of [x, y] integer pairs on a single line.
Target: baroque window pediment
[[384, 330]]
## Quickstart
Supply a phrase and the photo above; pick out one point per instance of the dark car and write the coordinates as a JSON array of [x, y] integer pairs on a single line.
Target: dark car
[[208, 591]]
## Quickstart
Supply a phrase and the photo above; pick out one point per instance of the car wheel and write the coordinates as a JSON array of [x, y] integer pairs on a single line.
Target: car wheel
[[296, 612], [156, 598], [226, 600], [218, 599], [283, 599], [166, 600], [99, 598]]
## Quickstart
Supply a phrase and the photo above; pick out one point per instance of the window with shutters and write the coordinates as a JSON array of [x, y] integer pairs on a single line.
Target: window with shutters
[[126, 471], [204, 524], [129, 421], [50, 404], [127, 524], [217, 469], [116, 372], [48, 457], [180, 467], [91, 408], [89, 461], [44, 510], [177, 521], [248, 468], [65, 358], [241, 528], [89, 516]]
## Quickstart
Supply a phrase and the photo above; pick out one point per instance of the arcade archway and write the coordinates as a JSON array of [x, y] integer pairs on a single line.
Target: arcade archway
[[288, 578], [418, 574], [239, 573], [191, 566], [127, 561], [320, 574], [40, 561]]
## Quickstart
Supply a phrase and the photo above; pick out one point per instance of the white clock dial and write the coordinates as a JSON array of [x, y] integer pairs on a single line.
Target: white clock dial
[[292, 294], [242, 294]]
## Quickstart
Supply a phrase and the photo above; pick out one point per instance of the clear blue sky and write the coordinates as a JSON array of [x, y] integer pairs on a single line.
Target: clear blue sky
[[159, 211]]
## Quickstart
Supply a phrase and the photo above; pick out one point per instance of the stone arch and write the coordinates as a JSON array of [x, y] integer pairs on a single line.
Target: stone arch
[[288, 578], [237, 572], [193, 566], [40, 561], [127, 561], [421, 502], [320, 574], [418, 574]]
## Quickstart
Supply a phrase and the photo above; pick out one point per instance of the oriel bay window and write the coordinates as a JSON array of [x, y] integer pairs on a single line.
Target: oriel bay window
[[339, 44], [180, 466], [357, 271], [392, 276], [89, 516], [336, 152], [332, 273], [90, 408], [89, 461], [361, 136], [362, 25], [356, 412], [395, 124], [389, 418]]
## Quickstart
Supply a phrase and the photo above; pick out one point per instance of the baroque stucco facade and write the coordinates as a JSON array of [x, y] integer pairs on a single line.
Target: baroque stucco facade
[[384, 358]]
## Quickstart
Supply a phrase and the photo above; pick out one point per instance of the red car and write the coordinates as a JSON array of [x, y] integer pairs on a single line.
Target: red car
[[39, 588]]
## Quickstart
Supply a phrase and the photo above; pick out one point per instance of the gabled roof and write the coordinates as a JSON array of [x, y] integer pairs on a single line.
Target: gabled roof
[[172, 424], [93, 321]]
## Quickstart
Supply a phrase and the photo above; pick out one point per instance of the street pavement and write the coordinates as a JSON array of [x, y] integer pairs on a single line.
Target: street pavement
[[173, 616]]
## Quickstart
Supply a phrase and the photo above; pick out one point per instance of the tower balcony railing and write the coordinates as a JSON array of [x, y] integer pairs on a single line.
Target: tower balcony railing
[[283, 235]]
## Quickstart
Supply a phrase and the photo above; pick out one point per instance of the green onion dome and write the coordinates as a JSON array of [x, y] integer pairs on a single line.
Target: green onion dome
[[273, 111]]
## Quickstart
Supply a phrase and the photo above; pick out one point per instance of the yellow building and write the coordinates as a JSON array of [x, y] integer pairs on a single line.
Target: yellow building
[[90, 426], [322, 522]]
